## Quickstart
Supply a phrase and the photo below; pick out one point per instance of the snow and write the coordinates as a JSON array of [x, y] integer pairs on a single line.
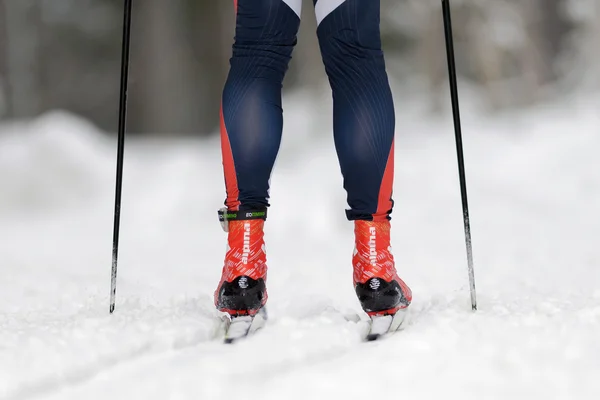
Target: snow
[[534, 190]]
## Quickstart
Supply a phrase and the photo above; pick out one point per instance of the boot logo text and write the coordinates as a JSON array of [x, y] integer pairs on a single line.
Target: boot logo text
[[246, 248], [372, 246]]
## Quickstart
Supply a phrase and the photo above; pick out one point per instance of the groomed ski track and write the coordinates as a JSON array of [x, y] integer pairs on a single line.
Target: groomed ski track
[[534, 190]]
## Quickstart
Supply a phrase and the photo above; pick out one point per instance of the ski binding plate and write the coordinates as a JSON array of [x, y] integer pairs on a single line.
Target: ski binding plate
[[239, 327], [382, 325]]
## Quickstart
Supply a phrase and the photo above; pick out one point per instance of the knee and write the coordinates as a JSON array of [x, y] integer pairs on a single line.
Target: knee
[[266, 34], [344, 47], [353, 27], [265, 23]]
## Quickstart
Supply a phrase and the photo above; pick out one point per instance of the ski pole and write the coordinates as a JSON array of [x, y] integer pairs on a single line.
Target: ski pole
[[120, 147], [459, 145]]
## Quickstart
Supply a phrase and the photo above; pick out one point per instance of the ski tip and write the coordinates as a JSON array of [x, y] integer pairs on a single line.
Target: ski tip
[[228, 340]]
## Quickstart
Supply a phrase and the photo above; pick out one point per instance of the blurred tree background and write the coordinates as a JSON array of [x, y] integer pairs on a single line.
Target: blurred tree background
[[65, 54]]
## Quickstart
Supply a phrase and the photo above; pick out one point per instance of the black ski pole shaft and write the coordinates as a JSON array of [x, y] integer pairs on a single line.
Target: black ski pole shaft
[[459, 145], [120, 147]]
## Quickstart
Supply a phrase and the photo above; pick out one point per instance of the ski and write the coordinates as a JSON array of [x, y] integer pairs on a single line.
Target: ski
[[240, 327], [235, 328], [381, 326]]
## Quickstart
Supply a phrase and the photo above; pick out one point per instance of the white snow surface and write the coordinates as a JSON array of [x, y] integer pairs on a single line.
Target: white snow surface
[[534, 189]]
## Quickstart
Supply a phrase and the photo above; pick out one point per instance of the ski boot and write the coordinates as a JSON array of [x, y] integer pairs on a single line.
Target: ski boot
[[242, 292], [381, 293]]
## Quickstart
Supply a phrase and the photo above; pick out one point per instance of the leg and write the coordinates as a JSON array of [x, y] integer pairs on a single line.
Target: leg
[[251, 128], [363, 119], [251, 116], [364, 124]]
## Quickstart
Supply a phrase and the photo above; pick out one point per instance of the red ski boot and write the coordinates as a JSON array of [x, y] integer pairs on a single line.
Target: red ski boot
[[378, 287], [242, 289]]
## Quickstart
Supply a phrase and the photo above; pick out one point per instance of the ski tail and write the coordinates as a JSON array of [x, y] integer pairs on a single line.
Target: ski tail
[[381, 325], [242, 326]]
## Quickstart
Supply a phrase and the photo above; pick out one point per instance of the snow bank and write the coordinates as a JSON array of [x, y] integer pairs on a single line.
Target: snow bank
[[53, 162]]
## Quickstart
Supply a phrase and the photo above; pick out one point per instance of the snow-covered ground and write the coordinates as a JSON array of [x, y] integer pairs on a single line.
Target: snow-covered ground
[[534, 191]]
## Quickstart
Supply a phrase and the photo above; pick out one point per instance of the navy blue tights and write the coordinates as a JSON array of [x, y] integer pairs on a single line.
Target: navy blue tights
[[363, 110]]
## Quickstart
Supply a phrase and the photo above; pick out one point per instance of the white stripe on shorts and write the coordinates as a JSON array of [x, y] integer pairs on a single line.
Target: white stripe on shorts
[[324, 7]]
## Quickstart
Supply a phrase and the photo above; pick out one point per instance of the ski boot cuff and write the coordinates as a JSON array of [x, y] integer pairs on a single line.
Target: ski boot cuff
[[226, 215]]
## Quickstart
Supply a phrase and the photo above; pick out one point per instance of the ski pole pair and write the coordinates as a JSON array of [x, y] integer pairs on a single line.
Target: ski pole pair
[[457, 130]]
